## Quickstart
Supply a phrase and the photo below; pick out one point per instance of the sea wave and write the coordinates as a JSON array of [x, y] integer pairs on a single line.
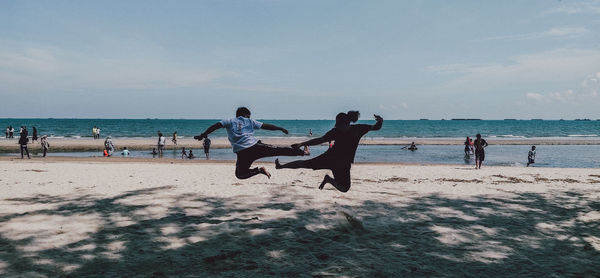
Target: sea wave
[[582, 135], [507, 136]]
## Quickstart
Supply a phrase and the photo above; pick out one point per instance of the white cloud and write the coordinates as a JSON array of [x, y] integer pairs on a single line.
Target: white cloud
[[560, 65], [586, 93], [534, 96], [27, 68], [591, 85], [554, 32], [562, 96], [586, 7]]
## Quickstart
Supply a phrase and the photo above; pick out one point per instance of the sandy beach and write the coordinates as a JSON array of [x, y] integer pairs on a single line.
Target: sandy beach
[[134, 217], [88, 144]]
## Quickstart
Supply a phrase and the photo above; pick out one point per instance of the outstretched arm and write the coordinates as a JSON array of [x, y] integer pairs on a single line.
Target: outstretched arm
[[377, 126], [273, 127], [208, 131], [325, 138]]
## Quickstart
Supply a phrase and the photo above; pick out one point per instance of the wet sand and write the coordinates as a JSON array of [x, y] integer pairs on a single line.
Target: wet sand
[[88, 144]]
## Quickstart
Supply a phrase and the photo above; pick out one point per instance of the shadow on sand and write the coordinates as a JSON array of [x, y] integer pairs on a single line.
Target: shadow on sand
[[528, 235]]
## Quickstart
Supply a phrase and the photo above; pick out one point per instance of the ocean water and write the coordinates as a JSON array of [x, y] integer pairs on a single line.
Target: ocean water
[[75, 128], [563, 156]]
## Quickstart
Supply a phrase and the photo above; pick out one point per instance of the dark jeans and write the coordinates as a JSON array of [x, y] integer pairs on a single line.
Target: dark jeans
[[245, 157], [24, 148], [45, 150]]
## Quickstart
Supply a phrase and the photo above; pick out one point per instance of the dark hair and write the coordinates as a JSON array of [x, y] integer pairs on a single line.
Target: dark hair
[[242, 111], [342, 120], [353, 115], [478, 135]]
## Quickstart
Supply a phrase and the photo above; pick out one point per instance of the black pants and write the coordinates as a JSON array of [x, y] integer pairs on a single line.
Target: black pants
[[340, 168], [45, 150], [24, 148], [245, 158]]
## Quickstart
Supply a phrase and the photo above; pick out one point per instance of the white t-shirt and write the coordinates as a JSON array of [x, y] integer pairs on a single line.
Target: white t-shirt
[[240, 132], [161, 140]]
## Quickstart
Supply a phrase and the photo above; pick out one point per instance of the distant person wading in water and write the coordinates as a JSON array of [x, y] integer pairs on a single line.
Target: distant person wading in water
[[240, 131], [161, 144], [480, 144], [206, 145], [531, 156], [109, 147], [340, 156]]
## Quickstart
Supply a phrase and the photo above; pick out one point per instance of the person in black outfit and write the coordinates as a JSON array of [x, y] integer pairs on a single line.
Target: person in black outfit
[[34, 137], [23, 140], [340, 157], [480, 144]]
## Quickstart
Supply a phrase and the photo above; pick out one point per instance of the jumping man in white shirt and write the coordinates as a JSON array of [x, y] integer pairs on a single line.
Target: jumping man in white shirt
[[240, 131]]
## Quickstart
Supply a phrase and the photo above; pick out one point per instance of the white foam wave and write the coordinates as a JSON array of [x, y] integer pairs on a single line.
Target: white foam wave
[[507, 136], [582, 135]]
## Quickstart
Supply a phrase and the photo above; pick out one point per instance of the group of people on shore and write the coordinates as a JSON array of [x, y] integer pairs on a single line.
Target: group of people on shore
[[96, 132], [109, 147], [10, 132], [24, 140]]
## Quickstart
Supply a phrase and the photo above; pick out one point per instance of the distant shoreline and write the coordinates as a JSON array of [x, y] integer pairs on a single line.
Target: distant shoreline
[[89, 144]]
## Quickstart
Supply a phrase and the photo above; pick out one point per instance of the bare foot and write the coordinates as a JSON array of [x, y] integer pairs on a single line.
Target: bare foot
[[325, 179], [306, 150], [277, 164], [264, 172]]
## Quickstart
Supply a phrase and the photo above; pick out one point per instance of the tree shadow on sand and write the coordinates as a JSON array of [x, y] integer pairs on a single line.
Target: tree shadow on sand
[[139, 234]]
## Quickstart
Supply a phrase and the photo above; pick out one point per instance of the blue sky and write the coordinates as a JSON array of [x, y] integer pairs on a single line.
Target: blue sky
[[300, 59]]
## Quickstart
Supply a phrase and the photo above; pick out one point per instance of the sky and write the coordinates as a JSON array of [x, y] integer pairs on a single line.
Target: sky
[[300, 59]]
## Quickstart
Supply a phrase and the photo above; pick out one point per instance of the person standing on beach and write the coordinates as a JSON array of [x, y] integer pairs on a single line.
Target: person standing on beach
[[340, 157], [531, 156], [174, 140], [109, 147], [94, 132], [45, 144], [34, 137], [161, 143], [206, 145], [11, 132], [7, 130], [240, 131], [23, 140], [310, 132], [97, 133], [479, 144]]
